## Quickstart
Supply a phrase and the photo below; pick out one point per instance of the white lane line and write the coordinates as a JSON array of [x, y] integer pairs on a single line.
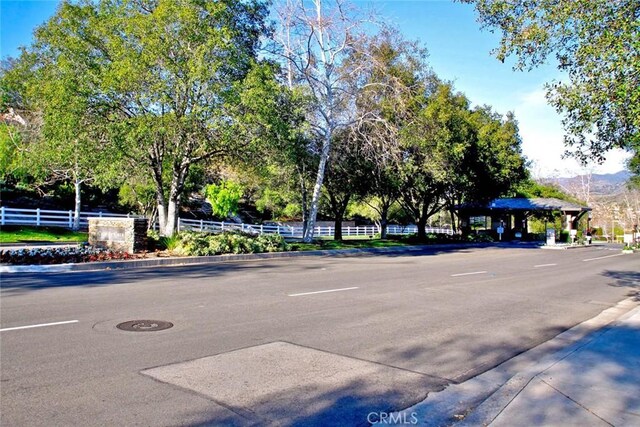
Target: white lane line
[[602, 257], [468, 274], [544, 265], [322, 292], [38, 326]]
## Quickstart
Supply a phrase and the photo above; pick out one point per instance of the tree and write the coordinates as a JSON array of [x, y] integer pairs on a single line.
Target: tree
[[58, 141], [496, 162], [315, 40], [435, 146], [346, 178], [597, 43], [168, 80], [224, 197], [394, 85]]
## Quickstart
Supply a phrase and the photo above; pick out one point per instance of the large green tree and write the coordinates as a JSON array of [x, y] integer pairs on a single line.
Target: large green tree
[[434, 145], [597, 44], [169, 80]]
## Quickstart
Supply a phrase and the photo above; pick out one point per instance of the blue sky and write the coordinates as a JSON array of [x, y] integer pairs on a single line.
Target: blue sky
[[458, 51]]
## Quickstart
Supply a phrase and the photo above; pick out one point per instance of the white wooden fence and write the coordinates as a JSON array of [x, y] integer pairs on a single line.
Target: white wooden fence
[[41, 217], [296, 232]]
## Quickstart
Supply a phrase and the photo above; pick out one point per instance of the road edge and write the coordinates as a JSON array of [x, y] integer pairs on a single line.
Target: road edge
[[215, 259]]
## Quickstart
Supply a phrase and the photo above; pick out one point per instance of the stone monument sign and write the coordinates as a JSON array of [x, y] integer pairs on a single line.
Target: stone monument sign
[[118, 234]]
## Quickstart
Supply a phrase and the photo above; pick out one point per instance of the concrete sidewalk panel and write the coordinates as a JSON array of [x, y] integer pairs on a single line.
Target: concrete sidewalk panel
[[604, 375], [538, 404]]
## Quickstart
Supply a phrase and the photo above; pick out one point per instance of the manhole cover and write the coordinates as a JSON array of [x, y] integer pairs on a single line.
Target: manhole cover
[[144, 325]]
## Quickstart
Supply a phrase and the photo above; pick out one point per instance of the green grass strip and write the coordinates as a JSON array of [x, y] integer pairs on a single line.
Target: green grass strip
[[21, 234]]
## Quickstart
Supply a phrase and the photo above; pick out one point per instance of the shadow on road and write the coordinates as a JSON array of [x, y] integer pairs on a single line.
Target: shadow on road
[[625, 279], [360, 404], [22, 282], [12, 283]]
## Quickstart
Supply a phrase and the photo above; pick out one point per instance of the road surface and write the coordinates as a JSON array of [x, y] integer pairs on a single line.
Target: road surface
[[304, 341]]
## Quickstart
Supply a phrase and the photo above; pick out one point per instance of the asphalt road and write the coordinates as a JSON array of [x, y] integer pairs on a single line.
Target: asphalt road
[[263, 342]]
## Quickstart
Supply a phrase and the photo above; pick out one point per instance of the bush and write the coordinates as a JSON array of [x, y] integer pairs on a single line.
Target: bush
[[480, 238], [200, 244]]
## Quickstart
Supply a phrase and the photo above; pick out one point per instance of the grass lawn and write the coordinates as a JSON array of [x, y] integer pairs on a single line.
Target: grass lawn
[[20, 234], [345, 244]]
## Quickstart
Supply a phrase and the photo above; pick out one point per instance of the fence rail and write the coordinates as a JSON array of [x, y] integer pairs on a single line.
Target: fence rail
[[296, 232], [41, 217]]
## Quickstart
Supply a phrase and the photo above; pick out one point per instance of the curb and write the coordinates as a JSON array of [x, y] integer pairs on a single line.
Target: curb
[[215, 259], [479, 400]]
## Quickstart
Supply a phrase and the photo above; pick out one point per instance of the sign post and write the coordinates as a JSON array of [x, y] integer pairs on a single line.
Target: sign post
[[500, 230]]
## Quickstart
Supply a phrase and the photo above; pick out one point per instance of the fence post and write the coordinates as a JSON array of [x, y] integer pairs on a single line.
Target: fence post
[[100, 214], [2, 215], [128, 215], [261, 228], [70, 219], [38, 217], [201, 225], [278, 230], [178, 227]]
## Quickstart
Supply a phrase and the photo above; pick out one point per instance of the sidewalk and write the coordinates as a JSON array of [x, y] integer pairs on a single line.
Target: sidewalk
[[588, 375], [598, 384]]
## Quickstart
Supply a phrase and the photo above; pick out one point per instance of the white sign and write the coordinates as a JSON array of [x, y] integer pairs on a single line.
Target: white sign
[[551, 236]]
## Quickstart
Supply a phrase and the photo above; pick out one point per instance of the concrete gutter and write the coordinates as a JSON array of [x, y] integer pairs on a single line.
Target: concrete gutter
[[174, 261]]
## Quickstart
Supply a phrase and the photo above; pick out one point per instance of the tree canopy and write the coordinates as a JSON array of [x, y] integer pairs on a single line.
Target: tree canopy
[[597, 44], [167, 80]]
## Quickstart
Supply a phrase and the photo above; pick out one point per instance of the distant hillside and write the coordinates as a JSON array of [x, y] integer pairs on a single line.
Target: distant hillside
[[601, 184]]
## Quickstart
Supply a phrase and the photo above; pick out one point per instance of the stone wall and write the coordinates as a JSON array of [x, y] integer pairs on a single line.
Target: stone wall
[[118, 234]]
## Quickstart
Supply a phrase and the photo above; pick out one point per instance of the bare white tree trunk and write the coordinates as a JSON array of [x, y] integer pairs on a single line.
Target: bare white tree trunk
[[172, 217], [316, 38], [78, 205], [317, 191]]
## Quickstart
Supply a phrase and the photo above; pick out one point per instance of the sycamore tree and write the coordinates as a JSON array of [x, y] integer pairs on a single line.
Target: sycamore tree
[[167, 82], [314, 41], [596, 43]]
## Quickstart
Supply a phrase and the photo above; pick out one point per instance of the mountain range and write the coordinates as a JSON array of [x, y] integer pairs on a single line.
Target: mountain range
[[601, 184]]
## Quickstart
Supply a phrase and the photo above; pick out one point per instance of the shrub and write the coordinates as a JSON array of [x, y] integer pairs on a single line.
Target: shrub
[[480, 238], [273, 243], [199, 244]]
